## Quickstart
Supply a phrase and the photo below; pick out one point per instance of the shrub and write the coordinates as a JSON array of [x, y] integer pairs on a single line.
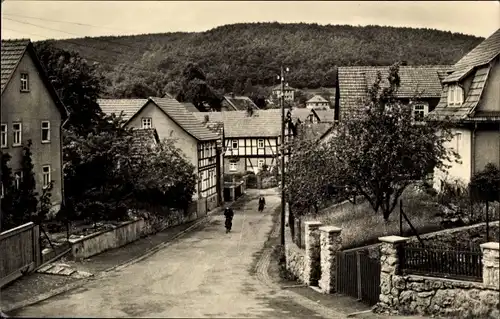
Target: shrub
[[279, 255]]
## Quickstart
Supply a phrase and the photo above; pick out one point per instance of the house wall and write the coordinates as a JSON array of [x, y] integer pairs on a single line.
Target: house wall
[[486, 148], [249, 153], [30, 109], [490, 99], [458, 171], [168, 129]]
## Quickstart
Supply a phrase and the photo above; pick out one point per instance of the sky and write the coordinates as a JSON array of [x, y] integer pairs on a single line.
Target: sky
[[40, 20]]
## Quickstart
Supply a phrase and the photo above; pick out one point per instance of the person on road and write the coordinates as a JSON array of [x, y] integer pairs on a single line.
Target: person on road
[[262, 203], [228, 213]]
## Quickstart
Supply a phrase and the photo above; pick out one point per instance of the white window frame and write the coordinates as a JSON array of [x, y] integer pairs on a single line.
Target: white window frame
[[455, 95], [25, 82], [259, 141], [260, 162], [145, 124], [233, 166], [47, 128], [4, 139], [46, 176], [424, 110], [18, 177], [234, 142], [17, 133]]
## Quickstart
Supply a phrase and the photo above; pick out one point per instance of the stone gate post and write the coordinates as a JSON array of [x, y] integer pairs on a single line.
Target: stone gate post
[[330, 243], [312, 265], [491, 265]]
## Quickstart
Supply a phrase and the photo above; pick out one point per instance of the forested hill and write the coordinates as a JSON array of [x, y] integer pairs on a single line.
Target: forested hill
[[230, 55]]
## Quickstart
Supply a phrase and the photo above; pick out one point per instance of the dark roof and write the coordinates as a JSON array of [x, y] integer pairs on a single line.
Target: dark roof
[[317, 99], [129, 107], [143, 139], [240, 103], [12, 52], [262, 123], [355, 81], [483, 54], [186, 120], [188, 105]]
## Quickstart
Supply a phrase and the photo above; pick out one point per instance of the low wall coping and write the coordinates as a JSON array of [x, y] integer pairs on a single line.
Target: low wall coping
[[393, 239], [313, 223], [330, 229], [77, 240], [491, 245]]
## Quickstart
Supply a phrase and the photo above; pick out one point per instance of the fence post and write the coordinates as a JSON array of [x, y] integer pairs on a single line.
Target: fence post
[[389, 262], [312, 265], [491, 265], [331, 243]]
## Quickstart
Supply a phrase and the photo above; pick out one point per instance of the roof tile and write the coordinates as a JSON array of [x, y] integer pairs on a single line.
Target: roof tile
[[115, 106], [12, 52], [240, 103], [262, 123]]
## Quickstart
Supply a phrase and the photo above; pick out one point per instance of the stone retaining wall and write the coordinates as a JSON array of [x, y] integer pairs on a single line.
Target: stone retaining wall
[[410, 294], [294, 257]]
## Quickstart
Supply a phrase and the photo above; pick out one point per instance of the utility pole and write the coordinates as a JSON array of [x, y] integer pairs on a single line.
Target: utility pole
[[282, 152]]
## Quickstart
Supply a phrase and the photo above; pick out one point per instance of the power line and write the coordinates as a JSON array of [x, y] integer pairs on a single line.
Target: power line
[[69, 22]]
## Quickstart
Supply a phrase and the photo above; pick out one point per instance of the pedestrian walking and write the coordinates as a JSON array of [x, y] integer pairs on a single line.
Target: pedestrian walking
[[262, 203], [228, 213]]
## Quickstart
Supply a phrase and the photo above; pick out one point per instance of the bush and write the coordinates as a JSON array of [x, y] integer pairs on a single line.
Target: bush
[[279, 255]]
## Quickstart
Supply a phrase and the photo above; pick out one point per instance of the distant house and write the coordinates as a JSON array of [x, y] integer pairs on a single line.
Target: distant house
[[420, 82], [289, 93], [237, 103], [317, 102], [471, 101], [31, 110], [251, 140], [172, 120]]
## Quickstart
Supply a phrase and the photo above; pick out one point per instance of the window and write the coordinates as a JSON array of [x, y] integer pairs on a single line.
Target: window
[[2, 194], [17, 134], [458, 140], [46, 176], [260, 143], [45, 131], [419, 112], [3, 136], [25, 86], [18, 177], [147, 122], [235, 144], [233, 166], [455, 95], [260, 163]]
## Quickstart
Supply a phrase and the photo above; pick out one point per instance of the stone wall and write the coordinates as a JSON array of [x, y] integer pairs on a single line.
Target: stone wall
[[410, 294], [474, 234], [294, 257]]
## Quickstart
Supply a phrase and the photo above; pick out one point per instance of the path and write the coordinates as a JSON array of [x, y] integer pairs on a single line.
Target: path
[[204, 274]]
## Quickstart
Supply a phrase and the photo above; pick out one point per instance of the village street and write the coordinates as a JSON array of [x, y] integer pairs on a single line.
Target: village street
[[206, 273]]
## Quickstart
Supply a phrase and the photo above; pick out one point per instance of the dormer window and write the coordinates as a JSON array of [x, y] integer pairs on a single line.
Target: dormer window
[[455, 95]]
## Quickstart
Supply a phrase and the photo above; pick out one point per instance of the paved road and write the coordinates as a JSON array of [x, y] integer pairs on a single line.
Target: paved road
[[206, 273]]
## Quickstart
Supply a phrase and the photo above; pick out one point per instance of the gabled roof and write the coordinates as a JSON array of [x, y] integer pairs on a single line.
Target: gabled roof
[[129, 107], [355, 81], [12, 52], [317, 99], [302, 114], [483, 54], [286, 87], [326, 116], [211, 120], [186, 120], [262, 123], [240, 103]]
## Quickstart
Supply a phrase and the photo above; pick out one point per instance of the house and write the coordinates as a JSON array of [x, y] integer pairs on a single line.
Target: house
[[31, 110], [288, 91], [171, 120], [237, 103], [420, 82], [212, 121], [251, 140], [317, 102], [471, 101]]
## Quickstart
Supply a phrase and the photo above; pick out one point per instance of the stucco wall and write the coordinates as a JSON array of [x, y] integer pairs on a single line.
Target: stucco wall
[[490, 99], [487, 148], [30, 109], [460, 171]]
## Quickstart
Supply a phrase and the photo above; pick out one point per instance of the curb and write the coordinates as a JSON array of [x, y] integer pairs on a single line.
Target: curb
[[81, 282]]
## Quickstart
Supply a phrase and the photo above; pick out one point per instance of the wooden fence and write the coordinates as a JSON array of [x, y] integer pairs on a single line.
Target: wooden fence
[[21, 252], [465, 263]]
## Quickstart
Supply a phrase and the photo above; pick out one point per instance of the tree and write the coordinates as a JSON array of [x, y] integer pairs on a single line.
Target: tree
[[7, 202], [379, 150], [485, 184], [237, 87], [76, 82], [196, 90], [248, 89]]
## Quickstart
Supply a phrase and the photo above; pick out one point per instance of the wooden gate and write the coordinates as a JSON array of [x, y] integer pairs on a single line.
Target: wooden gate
[[358, 275], [21, 252]]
